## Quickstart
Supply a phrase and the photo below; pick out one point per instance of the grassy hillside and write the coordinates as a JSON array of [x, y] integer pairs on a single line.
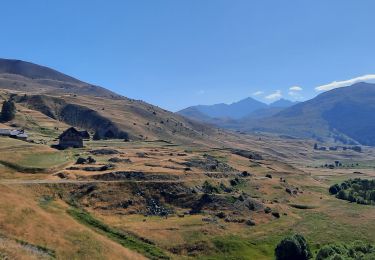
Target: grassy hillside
[[32, 78], [68, 101], [69, 212]]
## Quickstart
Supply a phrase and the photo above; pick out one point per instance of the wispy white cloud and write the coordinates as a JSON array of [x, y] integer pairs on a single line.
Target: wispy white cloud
[[295, 92], [345, 83], [258, 93], [276, 95], [295, 88]]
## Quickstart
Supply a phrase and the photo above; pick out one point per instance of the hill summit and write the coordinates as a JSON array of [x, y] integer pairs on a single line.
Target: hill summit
[[63, 98]]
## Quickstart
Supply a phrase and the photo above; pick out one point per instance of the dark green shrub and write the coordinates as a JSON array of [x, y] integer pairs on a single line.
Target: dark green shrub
[[209, 188], [334, 189], [236, 181], [8, 111], [356, 250], [357, 149], [293, 248], [331, 251], [342, 195]]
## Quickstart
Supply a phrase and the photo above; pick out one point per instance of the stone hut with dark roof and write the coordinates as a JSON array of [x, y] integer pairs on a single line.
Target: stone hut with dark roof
[[85, 134], [71, 138]]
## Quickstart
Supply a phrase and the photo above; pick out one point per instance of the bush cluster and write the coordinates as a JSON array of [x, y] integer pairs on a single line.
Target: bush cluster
[[361, 191], [296, 248], [356, 250]]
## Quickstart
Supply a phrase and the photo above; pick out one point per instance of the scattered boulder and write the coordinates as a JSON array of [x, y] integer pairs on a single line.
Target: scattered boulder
[[104, 151], [141, 155], [154, 208], [99, 169], [221, 215], [124, 204], [236, 181], [90, 160], [267, 210], [291, 191], [234, 220], [73, 168], [119, 160], [61, 175], [81, 160], [250, 222], [245, 174], [207, 219], [247, 154]]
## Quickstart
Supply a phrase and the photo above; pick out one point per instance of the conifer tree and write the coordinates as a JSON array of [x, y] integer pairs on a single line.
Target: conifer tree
[[8, 111]]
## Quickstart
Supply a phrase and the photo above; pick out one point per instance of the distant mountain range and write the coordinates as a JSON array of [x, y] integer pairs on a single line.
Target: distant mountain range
[[345, 115], [241, 109], [283, 103]]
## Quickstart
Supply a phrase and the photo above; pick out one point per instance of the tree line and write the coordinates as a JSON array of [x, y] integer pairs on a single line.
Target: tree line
[[361, 191]]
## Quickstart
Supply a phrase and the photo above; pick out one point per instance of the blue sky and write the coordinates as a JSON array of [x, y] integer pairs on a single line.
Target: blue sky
[[176, 53]]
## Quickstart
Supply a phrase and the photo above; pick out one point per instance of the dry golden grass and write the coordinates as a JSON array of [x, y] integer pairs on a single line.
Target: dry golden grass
[[10, 249], [22, 217]]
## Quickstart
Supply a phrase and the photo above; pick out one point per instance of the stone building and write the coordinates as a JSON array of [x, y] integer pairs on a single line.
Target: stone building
[[71, 138]]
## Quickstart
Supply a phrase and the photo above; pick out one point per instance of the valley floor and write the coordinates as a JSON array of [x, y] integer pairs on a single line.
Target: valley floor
[[161, 200]]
